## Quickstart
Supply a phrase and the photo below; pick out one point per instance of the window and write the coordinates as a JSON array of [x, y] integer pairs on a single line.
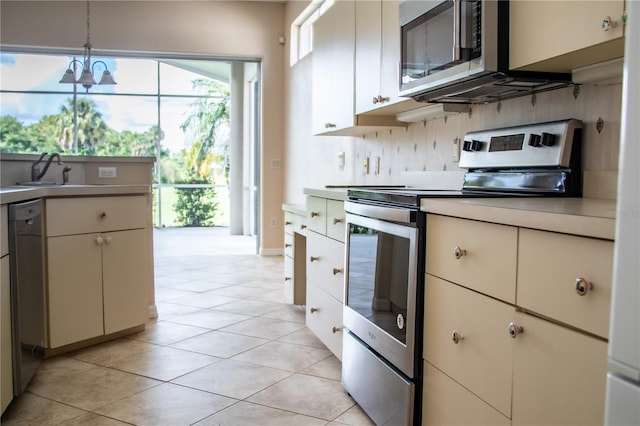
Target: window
[[302, 29]]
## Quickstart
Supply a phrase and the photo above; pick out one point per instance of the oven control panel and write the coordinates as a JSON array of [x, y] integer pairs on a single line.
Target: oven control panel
[[535, 145]]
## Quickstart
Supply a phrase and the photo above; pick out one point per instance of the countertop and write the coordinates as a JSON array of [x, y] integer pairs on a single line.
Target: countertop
[[578, 216], [14, 194], [299, 209], [339, 194]]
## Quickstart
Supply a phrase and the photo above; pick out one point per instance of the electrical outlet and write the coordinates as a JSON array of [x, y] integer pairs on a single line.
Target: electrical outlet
[[107, 172], [455, 154], [275, 163], [273, 222], [376, 165], [341, 157], [365, 166]]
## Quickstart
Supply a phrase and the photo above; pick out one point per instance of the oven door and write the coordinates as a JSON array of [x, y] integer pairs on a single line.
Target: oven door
[[380, 287]]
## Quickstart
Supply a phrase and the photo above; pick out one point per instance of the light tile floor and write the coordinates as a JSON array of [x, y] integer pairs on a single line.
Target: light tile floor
[[225, 350]]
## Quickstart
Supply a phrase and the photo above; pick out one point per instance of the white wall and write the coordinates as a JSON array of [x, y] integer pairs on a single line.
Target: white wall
[[238, 29]]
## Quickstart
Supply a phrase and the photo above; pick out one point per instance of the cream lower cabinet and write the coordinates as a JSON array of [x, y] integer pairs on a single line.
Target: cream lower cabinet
[[295, 274], [495, 361], [6, 357], [96, 281], [325, 271]]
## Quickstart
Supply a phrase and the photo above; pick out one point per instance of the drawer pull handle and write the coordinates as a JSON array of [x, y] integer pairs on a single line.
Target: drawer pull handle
[[337, 271], [336, 329], [336, 220], [313, 258], [303, 226], [287, 245], [313, 310], [515, 330], [456, 337], [314, 214], [458, 252], [287, 278], [583, 286], [103, 215], [287, 223]]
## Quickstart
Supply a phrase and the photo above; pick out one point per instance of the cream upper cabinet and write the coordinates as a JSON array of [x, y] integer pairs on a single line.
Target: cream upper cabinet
[[98, 266], [561, 35], [334, 75], [378, 57], [333, 65]]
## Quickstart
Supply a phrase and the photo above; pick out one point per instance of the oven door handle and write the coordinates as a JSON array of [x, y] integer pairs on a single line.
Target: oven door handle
[[392, 214]]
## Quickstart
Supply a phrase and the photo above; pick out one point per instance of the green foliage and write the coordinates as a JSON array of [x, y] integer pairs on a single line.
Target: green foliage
[[196, 206]]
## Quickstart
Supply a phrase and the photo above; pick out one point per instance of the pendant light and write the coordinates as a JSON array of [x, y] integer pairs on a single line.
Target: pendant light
[[86, 76]]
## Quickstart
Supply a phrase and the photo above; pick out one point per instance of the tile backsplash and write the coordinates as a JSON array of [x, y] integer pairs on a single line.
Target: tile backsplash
[[428, 146]]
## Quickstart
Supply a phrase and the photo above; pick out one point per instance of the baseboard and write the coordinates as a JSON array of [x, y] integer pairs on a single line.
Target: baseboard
[[271, 252]]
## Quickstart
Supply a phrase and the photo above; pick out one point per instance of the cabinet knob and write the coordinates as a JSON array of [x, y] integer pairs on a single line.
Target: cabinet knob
[[336, 329], [337, 220], [286, 222], [287, 245], [337, 271], [456, 336], [583, 286], [329, 125], [458, 252], [315, 214], [107, 240], [303, 226], [103, 215], [99, 241], [313, 258], [287, 278], [608, 23], [313, 310], [380, 99], [515, 330]]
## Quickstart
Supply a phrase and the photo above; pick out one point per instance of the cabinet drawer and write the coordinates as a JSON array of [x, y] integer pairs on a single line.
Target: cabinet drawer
[[549, 266], [560, 370], [67, 216], [335, 220], [288, 245], [293, 223], [325, 264], [477, 255], [445, 402], [316, 219], [324, 318], [481, 361]]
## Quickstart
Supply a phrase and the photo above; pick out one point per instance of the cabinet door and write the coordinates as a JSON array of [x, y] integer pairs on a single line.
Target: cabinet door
[[125, 271], [446, 402], [333, 68], [74, 284], [6, 356], [551, 268], [559, 375], [561, 35], [325, 264], [480, 358], [368, 54], [324, 318], [477, 255]]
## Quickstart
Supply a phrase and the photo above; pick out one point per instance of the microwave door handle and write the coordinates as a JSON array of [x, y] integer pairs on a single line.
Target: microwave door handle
[[456, 29]]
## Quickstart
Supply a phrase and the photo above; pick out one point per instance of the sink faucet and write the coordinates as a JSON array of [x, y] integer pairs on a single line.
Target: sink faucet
[[36, 174]]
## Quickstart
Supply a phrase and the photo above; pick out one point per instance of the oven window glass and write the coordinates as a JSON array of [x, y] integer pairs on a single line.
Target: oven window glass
[[378, 278]]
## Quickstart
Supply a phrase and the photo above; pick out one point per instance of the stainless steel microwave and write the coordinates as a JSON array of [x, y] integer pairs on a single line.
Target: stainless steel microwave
[[458, 51]]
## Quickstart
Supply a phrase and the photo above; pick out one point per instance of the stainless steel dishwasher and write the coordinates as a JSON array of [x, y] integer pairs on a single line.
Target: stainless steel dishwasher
[[27, 290]]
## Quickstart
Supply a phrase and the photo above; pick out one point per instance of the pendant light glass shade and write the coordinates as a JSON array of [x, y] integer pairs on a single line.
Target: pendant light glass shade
[[107, 78], [68, 77]]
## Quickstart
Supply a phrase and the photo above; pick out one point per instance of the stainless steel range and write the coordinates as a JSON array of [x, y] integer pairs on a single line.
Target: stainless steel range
[[385, 258]]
